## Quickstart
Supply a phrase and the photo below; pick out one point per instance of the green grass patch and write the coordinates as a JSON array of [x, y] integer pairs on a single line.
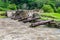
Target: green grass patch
[[2, 12], [2, 16], [54, 16]]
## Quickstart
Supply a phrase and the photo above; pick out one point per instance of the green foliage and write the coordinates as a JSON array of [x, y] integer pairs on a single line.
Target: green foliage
[[58, 10], [47, 8], [51, 16], [2, 9], [30, 4], [12, 7]]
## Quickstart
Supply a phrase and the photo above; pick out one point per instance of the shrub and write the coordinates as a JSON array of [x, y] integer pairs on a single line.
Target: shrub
[[58, 10], [12, 7], [47, 8], [2, 9]]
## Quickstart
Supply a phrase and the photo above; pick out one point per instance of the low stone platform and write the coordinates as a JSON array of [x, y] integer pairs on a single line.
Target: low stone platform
[[13, 30]]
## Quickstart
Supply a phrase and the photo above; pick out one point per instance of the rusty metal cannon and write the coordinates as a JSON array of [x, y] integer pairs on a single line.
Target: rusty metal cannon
[[23, 19], [30, 19], [40, 23]]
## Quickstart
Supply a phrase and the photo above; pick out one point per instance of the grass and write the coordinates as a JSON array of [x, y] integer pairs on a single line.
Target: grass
[[2, 13], [54, 16], [2, 16]]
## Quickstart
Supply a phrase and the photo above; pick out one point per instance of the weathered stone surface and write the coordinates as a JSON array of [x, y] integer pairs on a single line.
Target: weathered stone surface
[[13, 30], [10, 13], [18, 14]]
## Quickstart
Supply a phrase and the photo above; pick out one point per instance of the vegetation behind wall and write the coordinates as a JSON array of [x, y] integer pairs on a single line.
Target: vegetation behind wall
[[54, 5]]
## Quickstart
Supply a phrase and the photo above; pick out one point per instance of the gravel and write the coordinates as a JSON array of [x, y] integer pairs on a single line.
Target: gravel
[[14, 30]]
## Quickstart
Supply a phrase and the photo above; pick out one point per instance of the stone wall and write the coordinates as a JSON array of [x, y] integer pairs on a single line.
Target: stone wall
[[24, 13]]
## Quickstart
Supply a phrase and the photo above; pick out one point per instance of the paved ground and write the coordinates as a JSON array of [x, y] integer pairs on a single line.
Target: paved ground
[[13, 30]]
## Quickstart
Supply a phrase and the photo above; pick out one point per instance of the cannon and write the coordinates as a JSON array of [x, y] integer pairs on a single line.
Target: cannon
[[23, 19], [40, 23], [30, 19]]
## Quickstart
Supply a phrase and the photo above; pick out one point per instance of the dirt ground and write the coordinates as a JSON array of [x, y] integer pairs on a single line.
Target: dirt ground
[[14, 30]]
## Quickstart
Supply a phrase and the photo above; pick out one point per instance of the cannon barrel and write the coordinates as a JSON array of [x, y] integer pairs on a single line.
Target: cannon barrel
[[40, 23], [30, 19], [23, 18]]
